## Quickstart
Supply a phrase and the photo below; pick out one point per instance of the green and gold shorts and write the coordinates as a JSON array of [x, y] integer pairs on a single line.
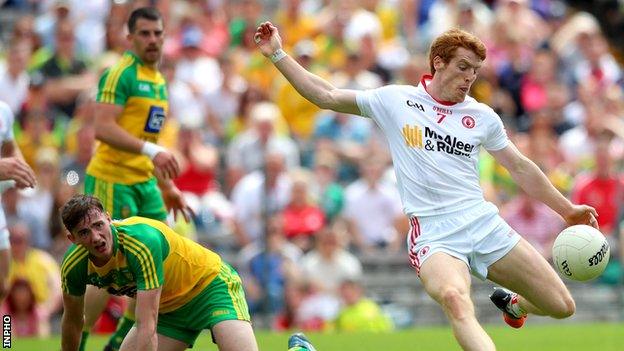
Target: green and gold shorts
[[223, 299], [123, 201]]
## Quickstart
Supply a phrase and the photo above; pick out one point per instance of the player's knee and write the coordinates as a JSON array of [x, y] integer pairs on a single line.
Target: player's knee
[[456, 303], [566, 308]]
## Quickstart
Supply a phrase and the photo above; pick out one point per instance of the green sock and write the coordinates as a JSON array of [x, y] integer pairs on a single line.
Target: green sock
[[83, 340], [124, 326]]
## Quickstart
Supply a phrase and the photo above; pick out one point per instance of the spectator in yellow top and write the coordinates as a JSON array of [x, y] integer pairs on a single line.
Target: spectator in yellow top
[[35, 266], [359, 313], [297, 24]]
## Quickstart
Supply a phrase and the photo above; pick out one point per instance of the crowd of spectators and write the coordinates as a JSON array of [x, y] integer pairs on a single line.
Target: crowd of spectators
[[295, 193]]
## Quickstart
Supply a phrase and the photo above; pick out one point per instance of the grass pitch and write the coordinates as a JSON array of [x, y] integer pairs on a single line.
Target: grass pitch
[[564, 337]]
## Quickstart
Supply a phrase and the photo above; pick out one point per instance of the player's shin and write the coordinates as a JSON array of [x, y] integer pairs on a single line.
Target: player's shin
[[83, 340], [124, 326]]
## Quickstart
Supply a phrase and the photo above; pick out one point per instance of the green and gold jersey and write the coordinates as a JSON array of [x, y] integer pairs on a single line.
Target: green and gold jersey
[[146, 255], [142, 92]]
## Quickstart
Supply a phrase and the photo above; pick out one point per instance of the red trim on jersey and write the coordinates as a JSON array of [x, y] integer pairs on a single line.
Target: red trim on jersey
[[413, 236], [424, 84]]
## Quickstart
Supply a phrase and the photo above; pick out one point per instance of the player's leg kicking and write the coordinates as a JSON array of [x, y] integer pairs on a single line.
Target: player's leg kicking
[[537, 289]]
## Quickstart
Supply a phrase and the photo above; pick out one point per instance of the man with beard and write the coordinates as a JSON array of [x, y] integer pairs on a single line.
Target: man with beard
[[130, 173]]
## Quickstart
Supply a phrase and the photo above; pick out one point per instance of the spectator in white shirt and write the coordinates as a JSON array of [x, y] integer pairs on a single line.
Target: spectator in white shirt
[[245, 153], [373, 209], [253, 202], [329, 264]]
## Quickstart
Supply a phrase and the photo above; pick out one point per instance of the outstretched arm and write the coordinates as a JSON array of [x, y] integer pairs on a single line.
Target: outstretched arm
[[535, 183], [312, 87]]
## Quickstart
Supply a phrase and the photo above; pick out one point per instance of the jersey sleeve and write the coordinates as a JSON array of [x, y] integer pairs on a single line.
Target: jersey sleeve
[[370, 102], [7, 117], [377, 103], [364, 99], [113, 87], [74, 272], [145, 252], [496, 138]]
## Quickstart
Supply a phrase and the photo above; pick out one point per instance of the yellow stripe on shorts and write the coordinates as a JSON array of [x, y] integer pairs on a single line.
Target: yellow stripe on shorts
[[101, 192], [110, 199], [227, 275]]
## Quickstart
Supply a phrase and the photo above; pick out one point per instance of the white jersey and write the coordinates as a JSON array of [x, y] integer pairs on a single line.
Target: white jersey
[[6, 122], [434, 145], [6, 134]]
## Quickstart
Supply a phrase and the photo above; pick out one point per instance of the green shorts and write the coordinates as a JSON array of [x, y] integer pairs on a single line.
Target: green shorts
[[223, 299], [123, 201]]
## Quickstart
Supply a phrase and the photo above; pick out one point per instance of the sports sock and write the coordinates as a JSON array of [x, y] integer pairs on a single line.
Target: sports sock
[[124, 326], [516, 310], [297, 348], [83, 341]]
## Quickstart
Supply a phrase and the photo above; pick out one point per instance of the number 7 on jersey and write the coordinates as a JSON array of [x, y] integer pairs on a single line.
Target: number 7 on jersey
[[442, 116]]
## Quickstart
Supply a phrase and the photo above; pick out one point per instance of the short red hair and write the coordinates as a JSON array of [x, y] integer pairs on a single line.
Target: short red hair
[[447, 43]]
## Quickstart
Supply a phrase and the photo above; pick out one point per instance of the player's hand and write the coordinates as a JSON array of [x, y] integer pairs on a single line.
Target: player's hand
[[166, 165], [174, 200], [582, 214], [18, 170], [267, 38]]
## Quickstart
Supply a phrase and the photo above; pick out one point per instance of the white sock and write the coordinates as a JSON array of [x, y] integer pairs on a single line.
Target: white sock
[[515, 308]]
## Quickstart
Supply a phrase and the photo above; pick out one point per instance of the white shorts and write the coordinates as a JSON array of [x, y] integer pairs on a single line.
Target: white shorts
[[478, 236]]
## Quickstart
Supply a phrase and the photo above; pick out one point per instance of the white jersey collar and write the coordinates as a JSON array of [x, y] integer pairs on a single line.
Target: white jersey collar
[[423, 89]]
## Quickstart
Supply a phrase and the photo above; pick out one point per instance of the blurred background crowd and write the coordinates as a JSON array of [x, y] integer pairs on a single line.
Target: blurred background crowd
[[295, 196]]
